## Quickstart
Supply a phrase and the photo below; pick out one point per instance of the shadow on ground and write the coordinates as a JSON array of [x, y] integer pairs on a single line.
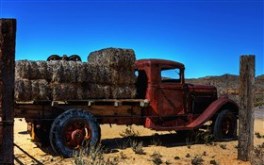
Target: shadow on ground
[[183, 138]]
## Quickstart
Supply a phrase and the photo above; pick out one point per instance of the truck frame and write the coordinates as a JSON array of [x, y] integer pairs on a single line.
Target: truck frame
[[162, 103]]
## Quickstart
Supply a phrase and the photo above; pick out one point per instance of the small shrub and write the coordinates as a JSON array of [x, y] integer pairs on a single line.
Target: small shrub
[[79, 157], [258, 155], [129, 132], [167, 162], [124, 144], [177, 158], [188, 155], [223, 146], [197, 160], [110, 161], [156, 158], [204, 137], [258, 135], [137, 147], [123, 156], [93, 156], [214, 162], [156, 141]]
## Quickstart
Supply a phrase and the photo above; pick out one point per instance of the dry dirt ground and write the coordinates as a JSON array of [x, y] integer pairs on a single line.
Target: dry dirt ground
[[173, 148]]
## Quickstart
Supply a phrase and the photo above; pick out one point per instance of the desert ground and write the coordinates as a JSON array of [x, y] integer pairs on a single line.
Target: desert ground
[[153, 147]]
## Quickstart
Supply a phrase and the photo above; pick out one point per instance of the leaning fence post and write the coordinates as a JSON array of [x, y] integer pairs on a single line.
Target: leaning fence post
[[246, 113], [7, 76]]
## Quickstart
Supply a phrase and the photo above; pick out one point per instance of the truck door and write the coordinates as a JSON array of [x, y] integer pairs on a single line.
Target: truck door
[[171, 92]]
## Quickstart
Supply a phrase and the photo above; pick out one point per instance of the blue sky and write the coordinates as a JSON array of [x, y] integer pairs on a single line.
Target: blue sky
[[207, 36]]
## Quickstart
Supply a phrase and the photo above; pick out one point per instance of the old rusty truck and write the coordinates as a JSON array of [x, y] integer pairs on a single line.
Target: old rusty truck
[[164, 102]]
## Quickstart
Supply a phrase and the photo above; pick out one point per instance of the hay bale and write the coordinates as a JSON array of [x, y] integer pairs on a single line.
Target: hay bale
[[68, 71], [123, 92], [55, 70], [22, 69], [38, 70], [40, 90], [81, 72], [66, 91], [91, 73], [23, 90], [110, 76], [31, 70], [123, 76], [113, 57], [97, 91]]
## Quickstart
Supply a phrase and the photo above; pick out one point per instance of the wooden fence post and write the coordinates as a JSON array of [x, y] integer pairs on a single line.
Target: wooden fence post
[[7, 78], [246, 113]]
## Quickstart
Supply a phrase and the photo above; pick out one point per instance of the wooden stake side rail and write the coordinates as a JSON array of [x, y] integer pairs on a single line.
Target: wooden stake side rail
[[115, 102], [43, 110]]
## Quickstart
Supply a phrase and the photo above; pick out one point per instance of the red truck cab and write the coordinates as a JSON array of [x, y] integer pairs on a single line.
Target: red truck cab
[[174, 104]]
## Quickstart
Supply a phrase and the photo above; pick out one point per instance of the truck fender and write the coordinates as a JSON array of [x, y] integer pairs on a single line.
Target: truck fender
[[213, 109]]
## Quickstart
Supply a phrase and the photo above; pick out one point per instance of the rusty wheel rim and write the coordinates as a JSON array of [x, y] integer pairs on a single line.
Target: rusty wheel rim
[[76, 134], [227, 126]]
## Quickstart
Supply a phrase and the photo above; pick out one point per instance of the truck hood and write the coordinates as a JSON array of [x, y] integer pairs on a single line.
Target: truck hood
[[201, 88]]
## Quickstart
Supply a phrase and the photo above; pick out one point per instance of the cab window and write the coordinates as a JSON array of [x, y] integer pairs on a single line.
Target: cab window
[[170, 75]]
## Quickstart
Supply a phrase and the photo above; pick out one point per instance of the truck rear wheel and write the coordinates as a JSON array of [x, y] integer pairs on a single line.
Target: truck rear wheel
[[225, 126], [74, 130]]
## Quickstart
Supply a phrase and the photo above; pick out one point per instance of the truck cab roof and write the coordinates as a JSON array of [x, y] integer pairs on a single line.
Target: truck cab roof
[[166, 64]]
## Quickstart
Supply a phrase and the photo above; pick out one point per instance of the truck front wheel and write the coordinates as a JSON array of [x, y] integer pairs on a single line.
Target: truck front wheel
[[225, 126], [74, 130]]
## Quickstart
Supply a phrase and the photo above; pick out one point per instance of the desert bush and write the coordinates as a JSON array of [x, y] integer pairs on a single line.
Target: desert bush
[[258, 155], [223, 146], [258, 135], [197, 160], [156, 141], [129, 132], [214, 162], [123, 156], [156, 158], [93, 156], [137, 147], [204, 137], [177, 158]]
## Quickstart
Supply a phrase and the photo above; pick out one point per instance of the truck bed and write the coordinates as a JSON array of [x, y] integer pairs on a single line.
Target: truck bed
[[101, 108]]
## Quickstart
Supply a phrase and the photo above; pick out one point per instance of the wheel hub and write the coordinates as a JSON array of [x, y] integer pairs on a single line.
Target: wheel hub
[[76, 134], [77, 137]]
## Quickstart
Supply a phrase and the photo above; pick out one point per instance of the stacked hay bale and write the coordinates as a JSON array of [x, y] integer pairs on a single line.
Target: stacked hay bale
[[108, 74], [115, 70], [31, 81]]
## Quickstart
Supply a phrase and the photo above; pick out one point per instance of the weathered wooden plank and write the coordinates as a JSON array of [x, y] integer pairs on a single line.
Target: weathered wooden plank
[[7, 76], [44, 111], [246, 114]]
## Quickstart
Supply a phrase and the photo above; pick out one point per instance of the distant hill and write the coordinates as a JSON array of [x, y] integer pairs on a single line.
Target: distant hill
[[228, 84]]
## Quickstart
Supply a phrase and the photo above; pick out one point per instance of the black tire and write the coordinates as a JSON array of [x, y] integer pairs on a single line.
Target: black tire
[[225, 126], [53, 57], [69, 125], [75, 58]]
